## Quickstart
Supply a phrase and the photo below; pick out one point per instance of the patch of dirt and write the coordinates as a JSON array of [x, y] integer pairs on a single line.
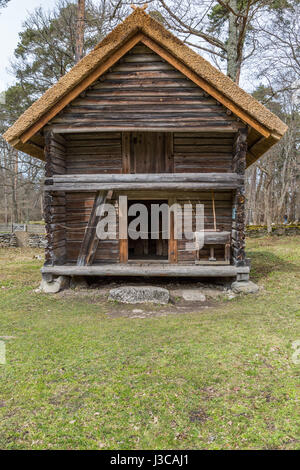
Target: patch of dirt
[[145, 310], [155, 310], [98, 292], [198, 416]]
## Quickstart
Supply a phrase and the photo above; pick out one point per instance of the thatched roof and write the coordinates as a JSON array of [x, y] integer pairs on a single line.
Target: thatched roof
[[24, 136]]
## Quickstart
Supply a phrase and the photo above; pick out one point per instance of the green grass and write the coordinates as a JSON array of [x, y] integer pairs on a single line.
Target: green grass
[[222, 378]]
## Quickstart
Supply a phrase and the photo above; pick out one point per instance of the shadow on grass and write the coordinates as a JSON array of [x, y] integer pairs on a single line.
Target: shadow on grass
[[264, 263]]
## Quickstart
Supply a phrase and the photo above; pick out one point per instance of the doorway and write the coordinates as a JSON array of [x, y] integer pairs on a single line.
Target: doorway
[[149, 248], [149, 152]]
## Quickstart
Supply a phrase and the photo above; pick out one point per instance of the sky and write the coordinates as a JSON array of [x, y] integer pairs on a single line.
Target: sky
[[11, 19]]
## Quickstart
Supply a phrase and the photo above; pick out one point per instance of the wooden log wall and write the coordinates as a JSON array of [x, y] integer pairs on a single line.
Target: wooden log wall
[[55, 202], [238, 203], [203, 152], [144, 91], [92, 153], [109, 153]]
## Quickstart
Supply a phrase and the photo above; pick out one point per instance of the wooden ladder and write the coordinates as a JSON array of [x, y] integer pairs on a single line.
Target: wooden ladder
[[90, 240]]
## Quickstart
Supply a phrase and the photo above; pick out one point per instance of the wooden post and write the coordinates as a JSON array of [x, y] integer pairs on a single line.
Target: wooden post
[[238, 222], [173, 250], [211, 254], [15, 188], [123, 229]]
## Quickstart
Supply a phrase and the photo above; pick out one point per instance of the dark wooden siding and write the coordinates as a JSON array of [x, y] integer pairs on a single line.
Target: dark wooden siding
[[185, 152], [207, 152], [93, 153], [55, 203], [144, 91], [150, 152]]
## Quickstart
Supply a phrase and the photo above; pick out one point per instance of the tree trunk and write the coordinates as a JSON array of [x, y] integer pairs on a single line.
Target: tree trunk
[[15, 189], [234, 58], [80, 30]]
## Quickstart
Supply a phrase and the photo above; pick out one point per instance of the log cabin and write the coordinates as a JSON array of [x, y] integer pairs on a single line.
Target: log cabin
[[146, 117]]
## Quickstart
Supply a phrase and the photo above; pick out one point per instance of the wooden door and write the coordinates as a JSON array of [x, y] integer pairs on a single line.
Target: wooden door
[[148, 152]]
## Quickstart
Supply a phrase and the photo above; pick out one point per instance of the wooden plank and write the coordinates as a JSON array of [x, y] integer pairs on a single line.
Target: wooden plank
[[87, 187], [215, 238], [132, 269], [68, 129], [123, 229], [230, 178], [213, 263], [92, 77], [173, 246], [89, 246]]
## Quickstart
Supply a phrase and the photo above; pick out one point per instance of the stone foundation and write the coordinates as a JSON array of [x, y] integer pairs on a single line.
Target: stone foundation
[[19, 239], [8, 240]]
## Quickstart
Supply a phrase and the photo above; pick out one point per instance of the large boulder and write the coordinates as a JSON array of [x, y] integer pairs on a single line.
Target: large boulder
[[140, 294], [244, 287]]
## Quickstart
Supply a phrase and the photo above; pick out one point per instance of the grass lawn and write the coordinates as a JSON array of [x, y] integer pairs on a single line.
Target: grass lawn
[[221, 378]]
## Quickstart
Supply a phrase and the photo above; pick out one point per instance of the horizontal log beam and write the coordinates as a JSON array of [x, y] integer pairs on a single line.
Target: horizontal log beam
[[150, 178], [146, 270], [60, 129], [88, 187], [171, 181], [213, 238]]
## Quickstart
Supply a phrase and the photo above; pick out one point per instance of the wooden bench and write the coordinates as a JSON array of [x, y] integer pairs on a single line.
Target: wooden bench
[[215, 238]]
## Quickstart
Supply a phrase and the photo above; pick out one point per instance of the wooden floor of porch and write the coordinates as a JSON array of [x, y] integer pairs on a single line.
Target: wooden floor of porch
[[164, 270]]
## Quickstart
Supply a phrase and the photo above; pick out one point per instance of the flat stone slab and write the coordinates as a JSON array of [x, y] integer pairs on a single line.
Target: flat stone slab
[[139, 295], [193, 295], [199, 294], [244, 287]]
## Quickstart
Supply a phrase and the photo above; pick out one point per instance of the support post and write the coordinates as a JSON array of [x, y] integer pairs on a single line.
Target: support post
[[123, 229], [173, 249], [238, 206]]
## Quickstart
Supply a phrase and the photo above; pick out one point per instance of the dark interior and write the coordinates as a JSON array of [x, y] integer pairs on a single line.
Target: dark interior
[[149, 249]]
